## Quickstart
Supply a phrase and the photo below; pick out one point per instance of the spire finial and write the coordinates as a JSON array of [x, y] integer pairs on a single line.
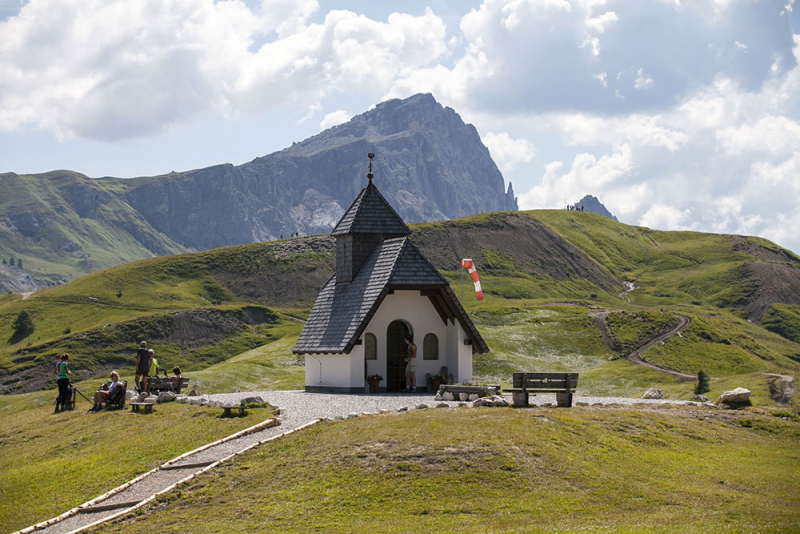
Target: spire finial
[[370, 175]]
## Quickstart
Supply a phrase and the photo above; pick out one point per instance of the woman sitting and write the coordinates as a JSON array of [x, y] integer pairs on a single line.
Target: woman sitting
[[175, 379], [100, 395]]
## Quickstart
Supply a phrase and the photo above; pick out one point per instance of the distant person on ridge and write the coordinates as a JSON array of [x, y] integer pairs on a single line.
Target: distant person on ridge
[[411, 367], [142, 367], [62, 371]]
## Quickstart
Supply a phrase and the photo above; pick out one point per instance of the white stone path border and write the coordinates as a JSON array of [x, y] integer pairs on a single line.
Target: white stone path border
[[271, 422]]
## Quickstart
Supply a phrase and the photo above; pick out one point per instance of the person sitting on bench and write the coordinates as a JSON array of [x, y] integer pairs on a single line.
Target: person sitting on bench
[[100, 395], [175, 379]]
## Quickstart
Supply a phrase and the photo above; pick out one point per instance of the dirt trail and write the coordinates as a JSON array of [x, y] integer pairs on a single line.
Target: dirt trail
[[26, 295], [635, 356]]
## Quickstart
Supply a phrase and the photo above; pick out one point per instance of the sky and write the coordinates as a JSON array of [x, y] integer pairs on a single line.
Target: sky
[[676, 114]]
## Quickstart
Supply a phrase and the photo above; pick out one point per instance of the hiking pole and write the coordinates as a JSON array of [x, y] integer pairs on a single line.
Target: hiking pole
[[82, 395]]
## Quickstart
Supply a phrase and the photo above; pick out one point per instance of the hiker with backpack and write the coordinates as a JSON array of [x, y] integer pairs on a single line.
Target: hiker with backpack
[[101, 395], [62, 373]]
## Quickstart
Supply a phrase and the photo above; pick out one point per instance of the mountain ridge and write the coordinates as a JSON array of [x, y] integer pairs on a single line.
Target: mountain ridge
[[429, 164]]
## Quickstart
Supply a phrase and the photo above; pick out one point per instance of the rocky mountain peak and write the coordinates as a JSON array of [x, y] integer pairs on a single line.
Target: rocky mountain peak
[[592, 204]]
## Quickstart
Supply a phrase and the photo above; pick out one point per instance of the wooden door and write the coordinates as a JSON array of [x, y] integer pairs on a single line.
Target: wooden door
[[395, 355]]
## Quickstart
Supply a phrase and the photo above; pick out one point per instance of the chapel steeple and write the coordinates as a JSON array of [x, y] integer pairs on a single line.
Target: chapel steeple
[[368, 221]]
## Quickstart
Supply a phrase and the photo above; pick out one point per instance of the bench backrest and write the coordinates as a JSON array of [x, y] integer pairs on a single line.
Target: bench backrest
[[562, 381]]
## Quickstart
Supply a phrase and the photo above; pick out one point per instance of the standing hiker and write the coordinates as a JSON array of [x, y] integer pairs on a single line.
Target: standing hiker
[[143, 361], [411, 367], [62, 371]]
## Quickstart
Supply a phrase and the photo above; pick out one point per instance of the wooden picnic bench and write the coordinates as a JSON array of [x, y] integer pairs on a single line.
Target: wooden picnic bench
[[562, 384], [136, 406], [157, 384]]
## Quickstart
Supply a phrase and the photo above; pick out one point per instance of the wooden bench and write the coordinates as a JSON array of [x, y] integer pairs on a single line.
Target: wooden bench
[[227, 410], [136, 406], [562, 384], [157, 384]]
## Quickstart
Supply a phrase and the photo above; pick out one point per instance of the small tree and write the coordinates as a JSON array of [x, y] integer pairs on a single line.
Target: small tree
[[11, 262], [702, 383], [5, 262], [19, 264], [23, 325]]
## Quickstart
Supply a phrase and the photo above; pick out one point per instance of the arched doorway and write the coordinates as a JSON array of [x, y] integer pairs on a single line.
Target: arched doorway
[[395, 355]]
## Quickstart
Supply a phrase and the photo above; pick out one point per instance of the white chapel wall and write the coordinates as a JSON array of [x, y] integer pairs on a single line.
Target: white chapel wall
[[419, 313]]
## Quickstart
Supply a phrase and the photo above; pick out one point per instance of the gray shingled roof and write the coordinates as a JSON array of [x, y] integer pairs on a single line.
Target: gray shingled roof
[[342, 311], [370, 213]]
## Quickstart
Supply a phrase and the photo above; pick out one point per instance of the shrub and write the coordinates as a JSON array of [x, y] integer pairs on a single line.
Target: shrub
[[23, 325], [702, 383]]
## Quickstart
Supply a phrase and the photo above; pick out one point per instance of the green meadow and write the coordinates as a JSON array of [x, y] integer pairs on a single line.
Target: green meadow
[[504, 470], [230, 317]]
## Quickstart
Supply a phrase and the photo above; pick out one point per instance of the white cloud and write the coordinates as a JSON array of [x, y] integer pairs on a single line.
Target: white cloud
[[507, 152], [332, 119], [587, 175], [778, 136], [643, 81], [113, 69], [740, 46], [663, 217]]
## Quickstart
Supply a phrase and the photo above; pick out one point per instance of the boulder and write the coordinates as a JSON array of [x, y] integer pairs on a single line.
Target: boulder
[[421, 406], [442, 405], [167, 396], [195, 391], [151, 398], [352, 415], [181, 399], [448, 396], [700, 398], [129, 395], [463, 396], [734, 397], [653, 393], [403, 409], [485, 401], [247, 401], [473, 397], [438, 397], [203, 402]]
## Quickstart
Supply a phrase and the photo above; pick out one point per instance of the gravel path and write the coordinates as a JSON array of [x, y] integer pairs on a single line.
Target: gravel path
[[298, 408]]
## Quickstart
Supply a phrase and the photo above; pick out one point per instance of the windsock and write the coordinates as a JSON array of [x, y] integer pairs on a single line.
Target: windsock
[[469, 265]]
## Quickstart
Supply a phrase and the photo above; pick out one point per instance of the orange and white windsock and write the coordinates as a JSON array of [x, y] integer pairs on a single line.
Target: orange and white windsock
[[469, 265]]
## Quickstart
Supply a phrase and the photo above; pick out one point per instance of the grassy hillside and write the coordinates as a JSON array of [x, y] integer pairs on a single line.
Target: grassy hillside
[[540, 271], [52, 463], [65, 224], [504, 470]]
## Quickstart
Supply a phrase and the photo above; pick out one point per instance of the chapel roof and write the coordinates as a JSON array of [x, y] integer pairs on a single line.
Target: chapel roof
[[342, 311], [370, 213]]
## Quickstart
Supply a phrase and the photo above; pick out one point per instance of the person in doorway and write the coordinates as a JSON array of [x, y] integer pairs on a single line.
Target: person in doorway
[[143, 357], [62, 379], [100, 395], [411, 365]]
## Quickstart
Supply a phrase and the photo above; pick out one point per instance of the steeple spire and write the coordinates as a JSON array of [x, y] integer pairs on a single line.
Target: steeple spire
[[370, 175]]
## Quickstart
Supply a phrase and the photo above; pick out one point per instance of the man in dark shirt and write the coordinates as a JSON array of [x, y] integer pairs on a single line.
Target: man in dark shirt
[[143, 361]]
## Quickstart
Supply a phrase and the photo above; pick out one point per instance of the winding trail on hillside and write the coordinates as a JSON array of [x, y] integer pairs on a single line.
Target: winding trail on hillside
[[635, 356]]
